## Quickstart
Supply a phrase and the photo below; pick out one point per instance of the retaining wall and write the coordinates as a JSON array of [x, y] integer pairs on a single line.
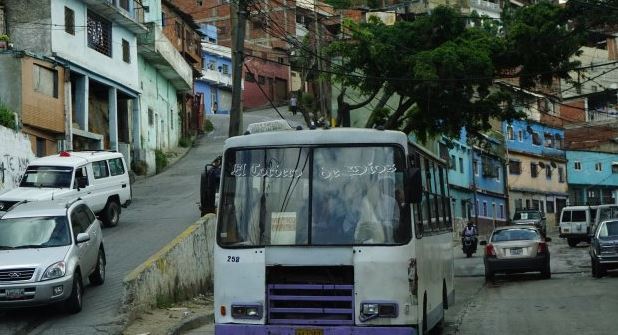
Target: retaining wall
[[180, 270]]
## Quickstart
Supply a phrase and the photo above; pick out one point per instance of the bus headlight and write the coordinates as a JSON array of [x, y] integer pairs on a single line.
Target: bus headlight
[[372, 310], [247, 311]]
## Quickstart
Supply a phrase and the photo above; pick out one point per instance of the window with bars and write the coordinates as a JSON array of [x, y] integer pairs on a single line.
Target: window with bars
[[561, 175], [69, 21], [126, 51], [99, 34], [533, 170], [514, 167]]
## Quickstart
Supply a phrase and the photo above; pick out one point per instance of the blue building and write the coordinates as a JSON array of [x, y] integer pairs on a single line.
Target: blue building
[[489, 183], [460, 180], [592, 177], [536, 166], [477, 182], [216, 80]]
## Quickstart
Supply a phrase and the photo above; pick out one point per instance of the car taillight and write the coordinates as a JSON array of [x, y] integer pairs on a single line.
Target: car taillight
[[542, 248], [489, 250]]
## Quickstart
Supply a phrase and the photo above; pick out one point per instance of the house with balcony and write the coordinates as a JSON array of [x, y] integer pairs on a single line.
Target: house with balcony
[[537, 174], [216, 81], [488, 176], [95, 43], [166, 78], [460, 180], [592, 177]]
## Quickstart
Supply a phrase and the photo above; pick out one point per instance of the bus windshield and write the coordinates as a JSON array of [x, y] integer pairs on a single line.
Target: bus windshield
[[314, 196]]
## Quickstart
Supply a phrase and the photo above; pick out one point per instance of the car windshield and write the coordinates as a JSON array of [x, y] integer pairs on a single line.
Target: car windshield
[[503, 235], [608, 229], [47, 176], [32, 232], [527, 216], [317, 196]]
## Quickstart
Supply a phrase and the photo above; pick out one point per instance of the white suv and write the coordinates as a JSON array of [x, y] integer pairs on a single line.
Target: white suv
[[48, 249], [99, 178]]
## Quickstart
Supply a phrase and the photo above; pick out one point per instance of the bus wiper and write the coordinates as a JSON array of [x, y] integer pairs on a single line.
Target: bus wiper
[[6, 247]]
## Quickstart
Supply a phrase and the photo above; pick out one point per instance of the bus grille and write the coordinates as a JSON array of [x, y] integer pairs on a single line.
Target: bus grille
[[310, 304]]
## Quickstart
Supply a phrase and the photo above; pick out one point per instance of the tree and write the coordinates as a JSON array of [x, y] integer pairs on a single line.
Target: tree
[[443, 71]]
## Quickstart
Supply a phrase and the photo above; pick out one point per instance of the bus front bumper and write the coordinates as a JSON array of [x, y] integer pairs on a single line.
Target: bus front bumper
[[236, 329]]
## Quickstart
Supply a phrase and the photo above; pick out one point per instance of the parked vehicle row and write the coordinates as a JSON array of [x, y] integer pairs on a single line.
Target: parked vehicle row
[[51, 242]]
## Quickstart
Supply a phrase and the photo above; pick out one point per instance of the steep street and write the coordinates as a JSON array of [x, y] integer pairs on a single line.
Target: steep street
[[163, 206]]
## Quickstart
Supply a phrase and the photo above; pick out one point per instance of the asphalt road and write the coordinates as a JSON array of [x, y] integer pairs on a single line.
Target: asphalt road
[[163, 206], [572, 302]]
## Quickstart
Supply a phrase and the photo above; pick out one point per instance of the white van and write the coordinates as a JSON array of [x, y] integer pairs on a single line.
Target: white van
[[576, 223], [100, 178]]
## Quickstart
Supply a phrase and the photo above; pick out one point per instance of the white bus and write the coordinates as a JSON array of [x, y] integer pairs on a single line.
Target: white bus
[[331, 231]]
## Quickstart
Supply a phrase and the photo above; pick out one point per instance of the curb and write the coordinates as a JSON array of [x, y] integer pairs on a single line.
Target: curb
[[191, 323]]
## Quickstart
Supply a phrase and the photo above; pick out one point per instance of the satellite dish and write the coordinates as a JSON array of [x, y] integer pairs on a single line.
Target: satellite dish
[[553, 165], [541, 165]]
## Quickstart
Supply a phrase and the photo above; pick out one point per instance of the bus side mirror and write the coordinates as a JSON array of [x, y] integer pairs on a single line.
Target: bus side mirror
[[414, 183]]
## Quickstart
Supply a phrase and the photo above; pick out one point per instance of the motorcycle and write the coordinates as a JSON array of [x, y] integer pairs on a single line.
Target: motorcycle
[[469, 245]]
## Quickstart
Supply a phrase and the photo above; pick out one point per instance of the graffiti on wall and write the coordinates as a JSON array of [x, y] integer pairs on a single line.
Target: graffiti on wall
[[15, 154]]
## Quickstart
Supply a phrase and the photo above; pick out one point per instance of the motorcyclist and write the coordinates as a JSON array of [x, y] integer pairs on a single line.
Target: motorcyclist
[[470, 231]]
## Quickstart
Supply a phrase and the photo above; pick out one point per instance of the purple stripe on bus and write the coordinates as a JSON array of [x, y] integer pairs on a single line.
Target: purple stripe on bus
[[309, 298], [309, 287], [237, 329], [312, 310]]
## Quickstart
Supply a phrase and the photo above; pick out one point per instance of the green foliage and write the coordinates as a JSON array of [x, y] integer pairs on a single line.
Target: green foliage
[[308, 102], [444, 71], [208, 126], [7, 118], [5, 38], [160, 160], [185, 142]]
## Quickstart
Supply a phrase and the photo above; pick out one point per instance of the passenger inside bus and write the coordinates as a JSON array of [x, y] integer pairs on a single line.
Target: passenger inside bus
[[379, 217]]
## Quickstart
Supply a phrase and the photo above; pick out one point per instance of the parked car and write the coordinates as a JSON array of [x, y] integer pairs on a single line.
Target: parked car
[[533, 217], [516, 249], [100, 178], [48, 249], [604, 248], [576, 224]]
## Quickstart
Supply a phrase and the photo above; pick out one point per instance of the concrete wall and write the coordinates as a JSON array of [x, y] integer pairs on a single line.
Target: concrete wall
[[540, 183], [75, 47], [15, 154], [10, 85], [29, 24], [180, 270], [588, 174]]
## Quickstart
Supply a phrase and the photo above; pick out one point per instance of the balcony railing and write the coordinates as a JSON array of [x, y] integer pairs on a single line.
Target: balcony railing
[[217, 77], [127, 13], [486, 5]]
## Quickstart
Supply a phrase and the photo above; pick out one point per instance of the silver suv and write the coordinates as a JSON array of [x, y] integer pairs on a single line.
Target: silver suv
[[47, 250], [533, 217]]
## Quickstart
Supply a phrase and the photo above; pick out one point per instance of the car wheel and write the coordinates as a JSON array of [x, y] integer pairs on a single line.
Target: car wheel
[[546, 272], [111, 214], [572, 242], [74, 303], [595, 268], [98, 276], [489, 275]]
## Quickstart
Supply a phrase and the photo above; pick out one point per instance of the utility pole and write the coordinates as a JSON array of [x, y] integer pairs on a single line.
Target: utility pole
[[238, 15], [319, 62]]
